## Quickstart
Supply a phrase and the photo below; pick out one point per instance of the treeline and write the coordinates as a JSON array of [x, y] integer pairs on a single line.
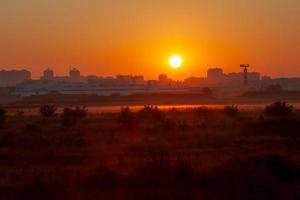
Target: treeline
[[279, 117]]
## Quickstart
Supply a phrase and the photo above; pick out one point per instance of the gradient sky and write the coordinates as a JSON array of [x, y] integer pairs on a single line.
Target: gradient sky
[[108, 37]]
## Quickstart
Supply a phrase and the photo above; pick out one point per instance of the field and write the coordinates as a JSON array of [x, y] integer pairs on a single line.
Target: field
[[193, 153]]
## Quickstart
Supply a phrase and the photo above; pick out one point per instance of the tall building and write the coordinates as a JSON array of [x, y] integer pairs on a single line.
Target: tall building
[[215, 74], [13, 77], [48, 75], [74, 73]]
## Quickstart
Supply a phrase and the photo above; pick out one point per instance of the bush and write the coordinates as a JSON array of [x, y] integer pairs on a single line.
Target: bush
[[152, 113], [126, 118], [231, 111], [279, 109], [47, 111], [2, 116], [72, 116]]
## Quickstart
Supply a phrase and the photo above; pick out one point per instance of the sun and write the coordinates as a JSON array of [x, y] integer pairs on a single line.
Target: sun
[[175, 61]]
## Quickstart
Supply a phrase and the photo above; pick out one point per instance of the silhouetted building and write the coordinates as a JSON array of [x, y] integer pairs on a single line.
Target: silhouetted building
[[194, 82], [215, 74], [13, 77], [139, 80], [124, 79], [291, 84], [236, 79], [222, 84], [164, 80], [74, 73], [48, 75]]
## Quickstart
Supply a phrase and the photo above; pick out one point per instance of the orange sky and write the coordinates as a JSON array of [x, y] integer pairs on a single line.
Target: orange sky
[[108, 37]]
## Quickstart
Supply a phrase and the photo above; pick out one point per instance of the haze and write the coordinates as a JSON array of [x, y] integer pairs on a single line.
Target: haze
[[108, 37]]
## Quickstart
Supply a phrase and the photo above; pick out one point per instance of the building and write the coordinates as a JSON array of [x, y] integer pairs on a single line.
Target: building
[[214, 76], [139, 80], [164, 80], [236, 79], [194, 82], [291, 84], [13, 77], [48, 75], [124, 80], [74, 75], [222, 84]]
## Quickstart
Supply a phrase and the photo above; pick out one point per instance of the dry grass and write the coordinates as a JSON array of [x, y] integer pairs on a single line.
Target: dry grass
[[175, 154]]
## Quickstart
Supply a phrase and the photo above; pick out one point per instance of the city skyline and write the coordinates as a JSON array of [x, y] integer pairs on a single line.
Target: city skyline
[[68, 71], [129, 37]]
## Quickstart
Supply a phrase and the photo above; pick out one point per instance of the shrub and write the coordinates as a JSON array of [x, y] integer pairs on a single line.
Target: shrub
[[231, 111], [152, 113], [126, 118], [47, 111], [279, 109], [72, 116], [2, 116]]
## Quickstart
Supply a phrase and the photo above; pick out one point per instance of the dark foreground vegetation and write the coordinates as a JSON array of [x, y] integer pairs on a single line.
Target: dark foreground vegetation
[[195, 153]]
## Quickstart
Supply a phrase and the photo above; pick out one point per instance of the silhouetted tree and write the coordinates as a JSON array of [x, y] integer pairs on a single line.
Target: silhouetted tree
[[279, 109], [72, 116], [47, 111], [231, 111], [126, 118], [2, 116], [152, 113]]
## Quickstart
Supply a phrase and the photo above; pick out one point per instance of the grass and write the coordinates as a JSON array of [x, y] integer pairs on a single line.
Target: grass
[[151, 154]]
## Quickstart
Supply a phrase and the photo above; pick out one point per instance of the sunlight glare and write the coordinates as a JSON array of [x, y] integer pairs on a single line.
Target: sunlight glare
[[175, 61]]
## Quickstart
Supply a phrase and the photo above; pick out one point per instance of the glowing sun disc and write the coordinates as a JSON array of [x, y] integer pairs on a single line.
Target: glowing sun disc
[[175, 61]]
